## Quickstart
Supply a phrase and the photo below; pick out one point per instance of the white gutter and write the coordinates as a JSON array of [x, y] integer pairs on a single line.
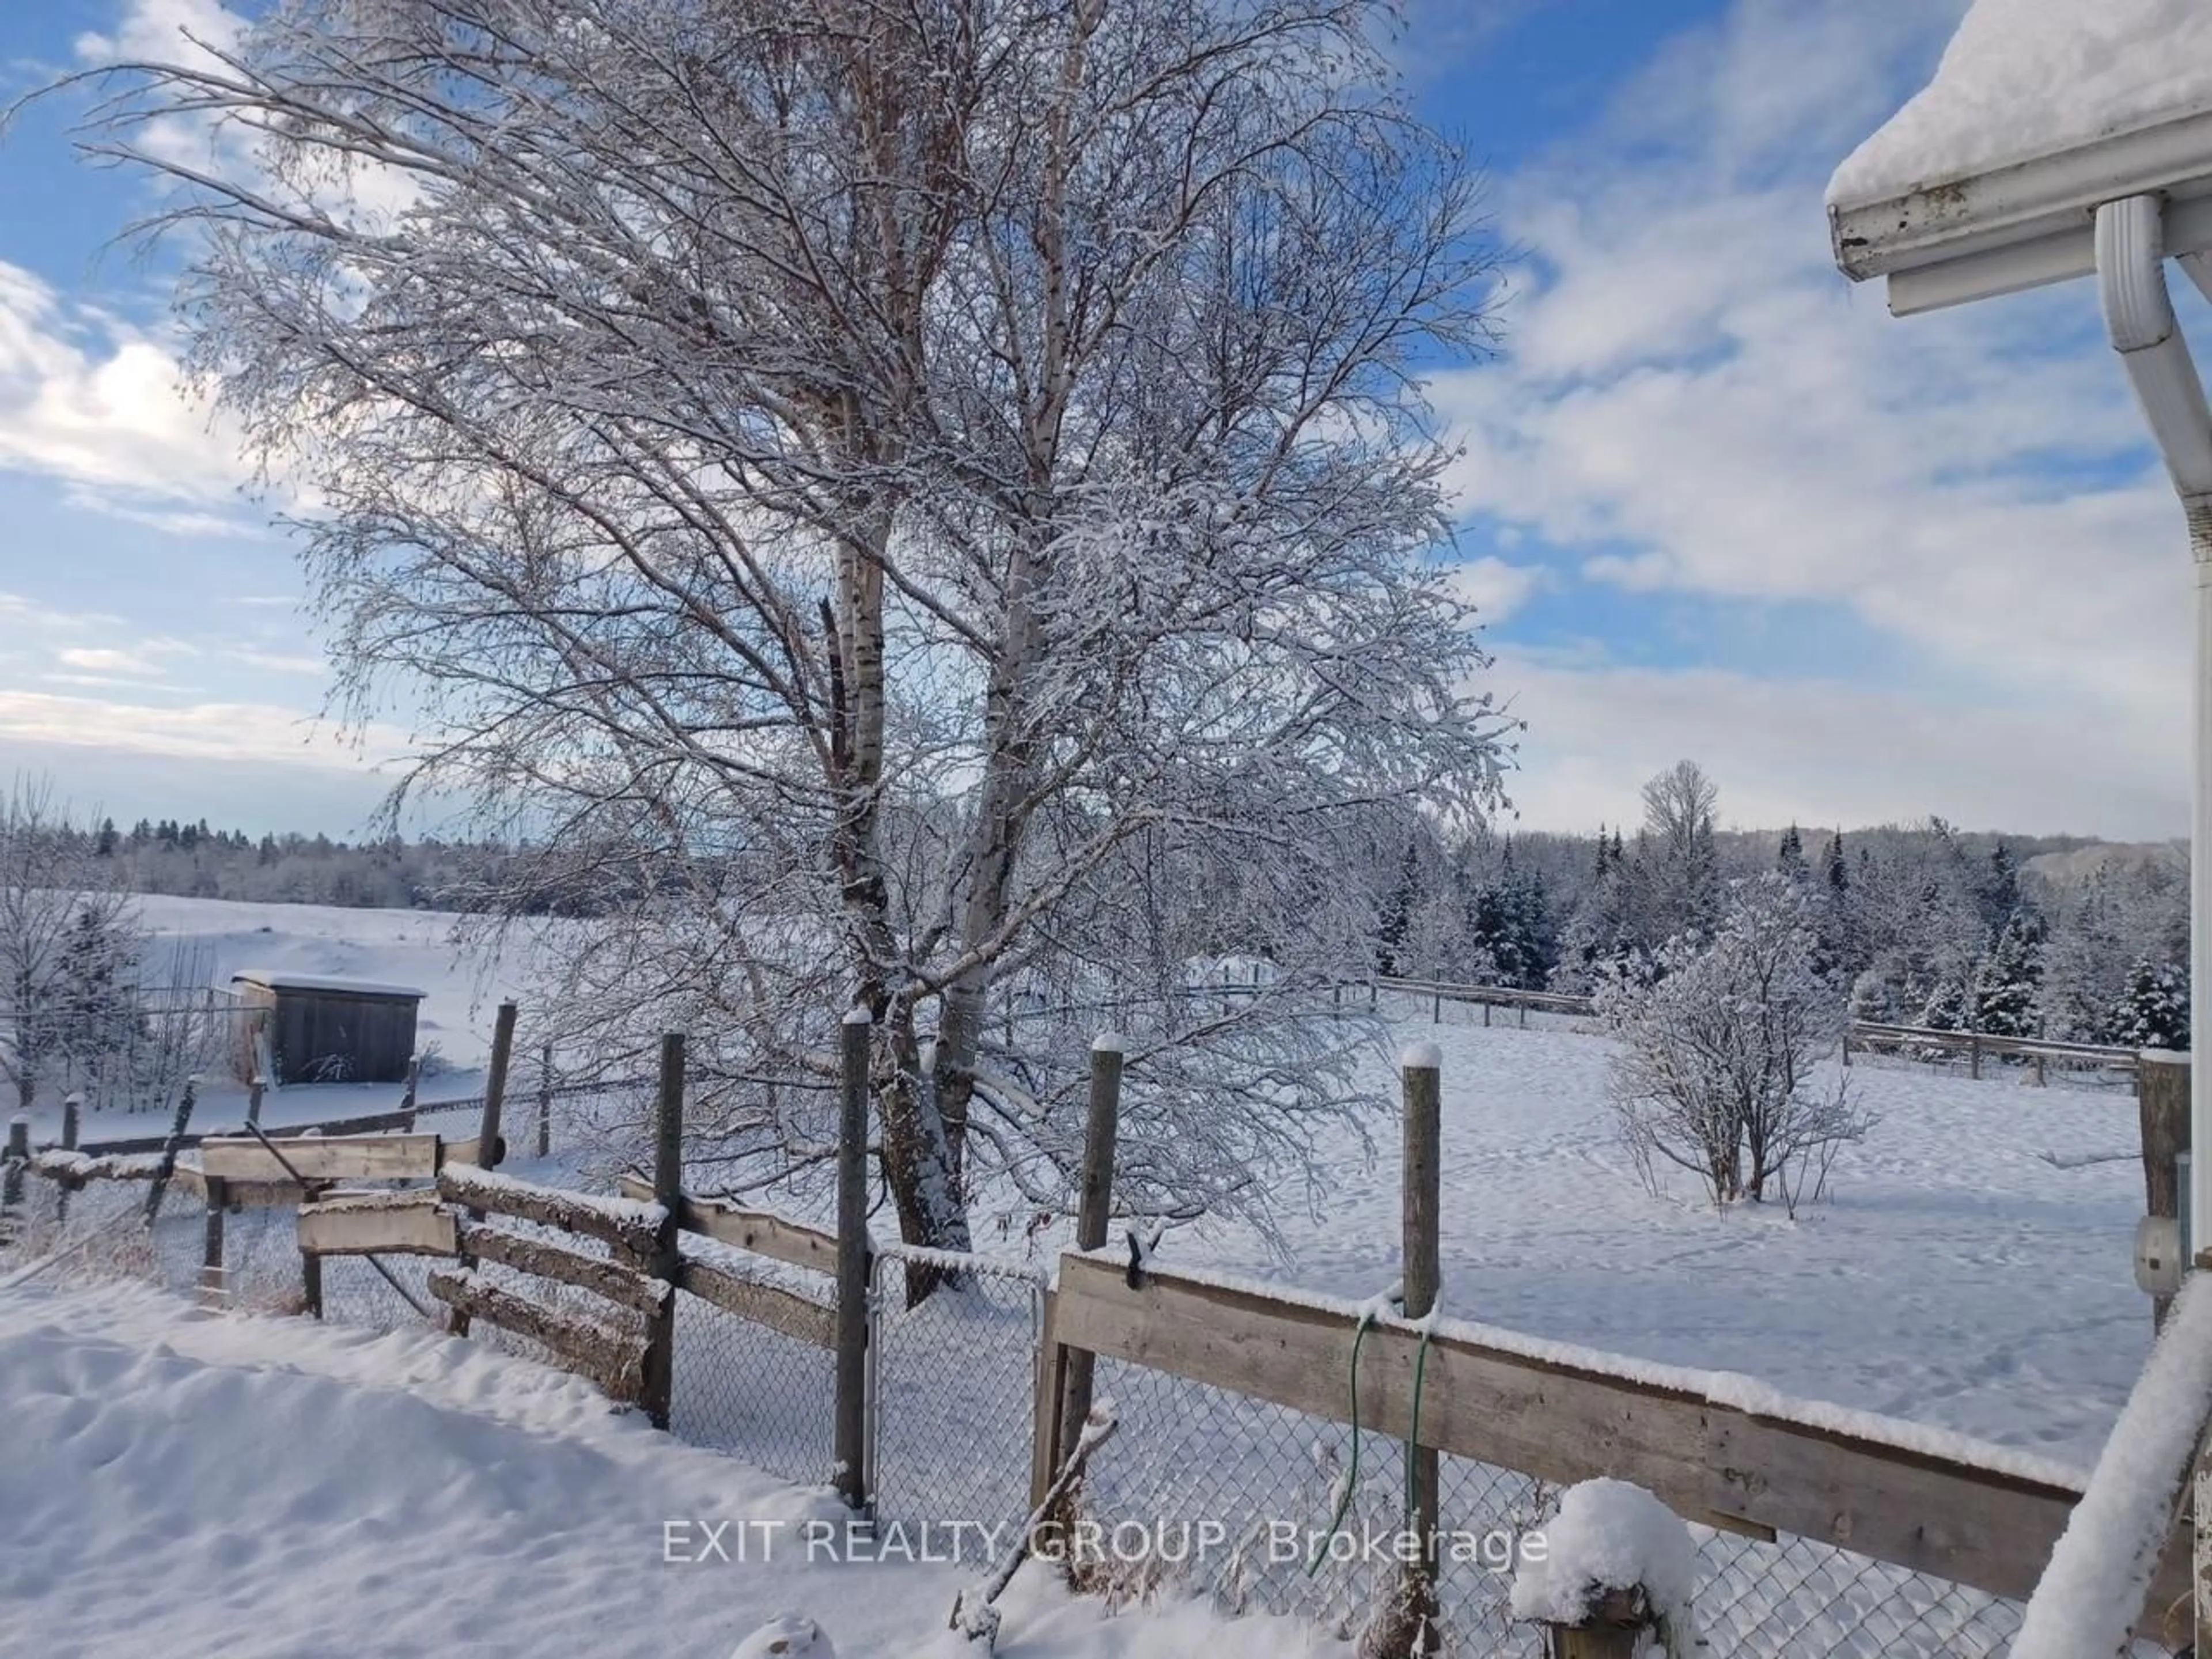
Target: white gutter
[[2139, 316], [1950, 240]]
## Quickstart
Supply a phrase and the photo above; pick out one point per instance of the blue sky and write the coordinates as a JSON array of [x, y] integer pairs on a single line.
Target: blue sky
[[1715, 503]]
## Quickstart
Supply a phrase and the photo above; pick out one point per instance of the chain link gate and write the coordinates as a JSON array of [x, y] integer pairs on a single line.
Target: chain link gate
[[952, 1388]]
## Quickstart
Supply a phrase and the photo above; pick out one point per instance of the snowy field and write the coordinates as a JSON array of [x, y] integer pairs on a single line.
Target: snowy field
[[262, 1488], [1956, 1276], [1970, 1270]]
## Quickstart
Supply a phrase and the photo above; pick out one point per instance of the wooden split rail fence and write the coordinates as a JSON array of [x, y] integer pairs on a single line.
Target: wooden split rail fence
[[1861, 1034]]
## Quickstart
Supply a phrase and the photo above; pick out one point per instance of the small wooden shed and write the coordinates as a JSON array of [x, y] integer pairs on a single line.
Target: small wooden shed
[[325, 1030]]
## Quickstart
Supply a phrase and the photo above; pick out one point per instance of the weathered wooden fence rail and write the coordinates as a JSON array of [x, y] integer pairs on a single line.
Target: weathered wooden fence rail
[[1714, 1462], [1976, 1046]]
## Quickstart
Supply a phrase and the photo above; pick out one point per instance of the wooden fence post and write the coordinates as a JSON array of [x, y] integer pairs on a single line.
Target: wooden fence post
[[179, 1125], [489, 1152], [407, 1101], [545, 1103], [1974, 1055], [658, 1393], [2162, 1110], [1093, 1207], [72, 1105], [215, 1291], [852, 1417], [254, 1090], [502, 1051], [1615, 1628], [18, 1155], [1409, 1623]]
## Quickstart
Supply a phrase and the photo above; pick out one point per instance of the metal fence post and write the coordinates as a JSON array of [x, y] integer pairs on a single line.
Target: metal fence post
[[850, 1449]]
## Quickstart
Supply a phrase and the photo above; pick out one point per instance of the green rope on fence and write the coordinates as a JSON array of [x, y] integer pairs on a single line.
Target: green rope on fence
[[1412, 1435], [1351, 1474]]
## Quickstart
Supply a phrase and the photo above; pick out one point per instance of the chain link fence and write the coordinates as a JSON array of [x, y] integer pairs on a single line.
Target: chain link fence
[[954, 1390], [760, 1395], [1269, 1510]]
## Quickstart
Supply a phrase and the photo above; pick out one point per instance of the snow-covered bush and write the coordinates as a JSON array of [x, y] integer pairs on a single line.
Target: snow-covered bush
[[1720, 1047]]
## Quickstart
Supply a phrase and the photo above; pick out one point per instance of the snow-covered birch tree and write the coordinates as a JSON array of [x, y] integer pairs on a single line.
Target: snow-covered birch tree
[[930, 501]]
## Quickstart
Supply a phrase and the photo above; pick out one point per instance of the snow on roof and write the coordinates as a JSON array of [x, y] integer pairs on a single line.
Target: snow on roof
[[276, 980], [2026, 79]]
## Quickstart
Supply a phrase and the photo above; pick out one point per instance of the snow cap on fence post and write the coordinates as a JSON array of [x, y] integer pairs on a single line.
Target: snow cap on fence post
[[1109, 1042], [858, 1014], [1421, 1057], [1615, 1560]]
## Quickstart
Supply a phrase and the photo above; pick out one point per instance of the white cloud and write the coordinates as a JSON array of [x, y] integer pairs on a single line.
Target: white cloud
[[88, 398], [1495, 588], [206, 730], [1695, 401], [164, 31], [278, 663], [142, 660], [1830, 752]]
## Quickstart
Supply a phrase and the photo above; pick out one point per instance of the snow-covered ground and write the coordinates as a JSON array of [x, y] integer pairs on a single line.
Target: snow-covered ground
[[1956, 1275], [177, 1484], [1971, 1269]]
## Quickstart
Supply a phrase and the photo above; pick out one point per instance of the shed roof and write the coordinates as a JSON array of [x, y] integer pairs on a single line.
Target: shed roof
[[271, 979]]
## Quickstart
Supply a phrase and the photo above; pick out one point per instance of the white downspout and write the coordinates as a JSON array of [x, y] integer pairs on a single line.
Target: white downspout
[[2139, 316]]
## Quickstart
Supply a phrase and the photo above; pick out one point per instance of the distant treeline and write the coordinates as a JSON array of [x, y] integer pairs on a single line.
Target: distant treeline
[[1926, 925], [1923, 924], [195, 861]]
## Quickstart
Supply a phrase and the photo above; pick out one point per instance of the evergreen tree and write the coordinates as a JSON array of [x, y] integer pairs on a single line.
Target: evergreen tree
[[1998, 894], [96, 1003], [1947, 1008], [104, 844], [1398, 914], [2153, 1013], [2008, 982], [1791, 858], [1833, 867]]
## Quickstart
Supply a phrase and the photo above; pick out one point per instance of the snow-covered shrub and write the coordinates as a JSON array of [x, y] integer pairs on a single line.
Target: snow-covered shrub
[[1719, 1050]]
